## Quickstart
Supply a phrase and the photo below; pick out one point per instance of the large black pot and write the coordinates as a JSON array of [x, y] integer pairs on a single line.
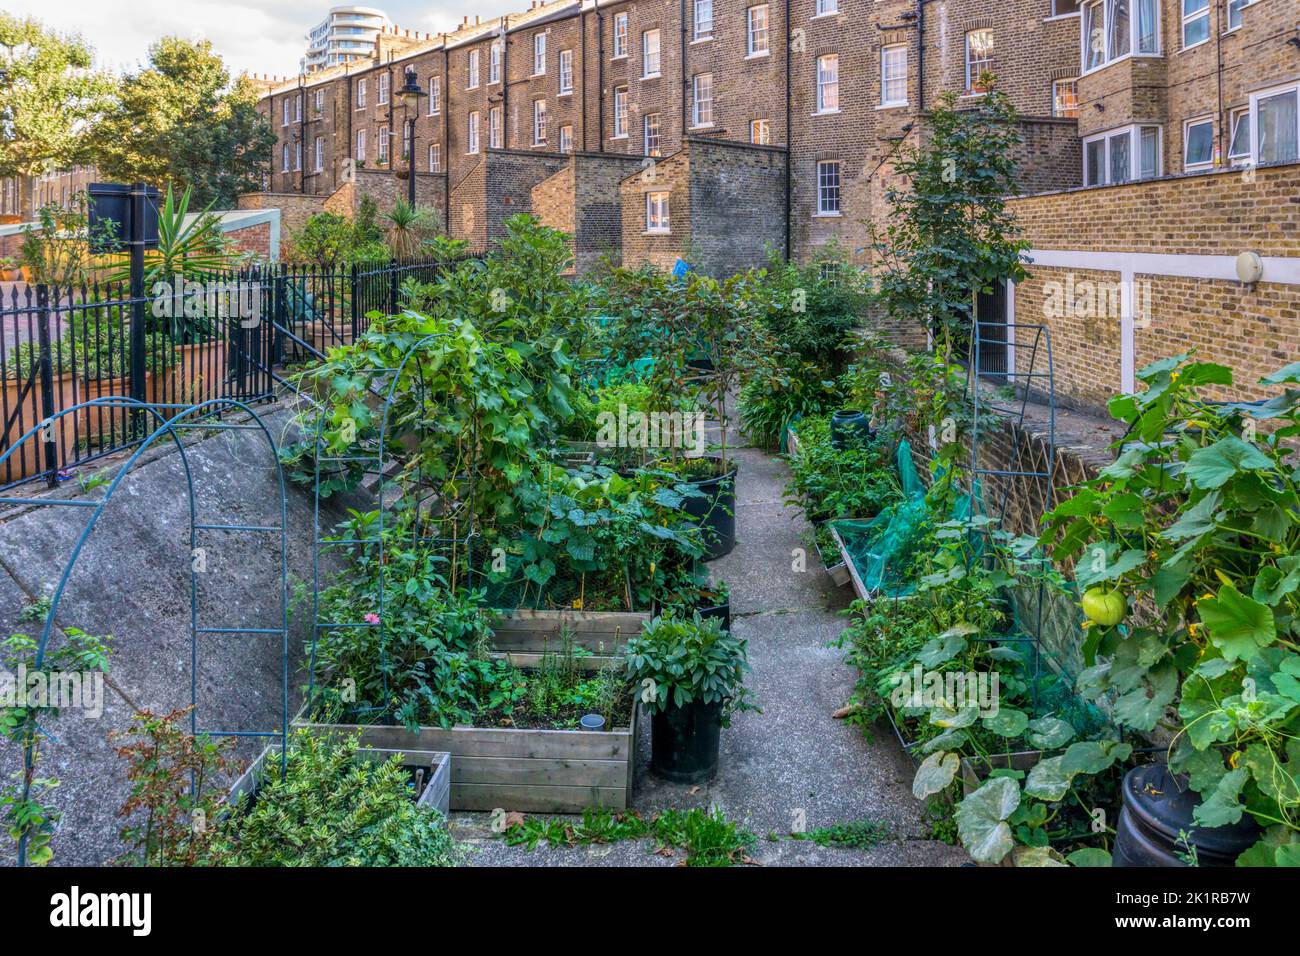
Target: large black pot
[[722, 611], [1157, 806], [684, 742], [715, 512], [850, 429]]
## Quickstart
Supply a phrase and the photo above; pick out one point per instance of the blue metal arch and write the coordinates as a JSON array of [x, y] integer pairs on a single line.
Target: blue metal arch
[[177, 418]]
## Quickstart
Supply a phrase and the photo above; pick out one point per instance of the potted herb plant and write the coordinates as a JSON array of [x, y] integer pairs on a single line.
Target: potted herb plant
[[690, 673]]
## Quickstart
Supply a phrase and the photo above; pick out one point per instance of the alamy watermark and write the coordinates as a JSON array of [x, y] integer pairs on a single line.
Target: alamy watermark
[[61, 690], [952, 690], [636, 429], [1087, 299], [191, 299]]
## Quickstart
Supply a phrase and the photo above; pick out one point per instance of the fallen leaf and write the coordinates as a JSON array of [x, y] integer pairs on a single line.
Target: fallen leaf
[[847, 710], [514, 819], [694, 790]]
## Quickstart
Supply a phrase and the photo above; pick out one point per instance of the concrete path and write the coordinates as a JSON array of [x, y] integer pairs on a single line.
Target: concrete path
[[792, 763]]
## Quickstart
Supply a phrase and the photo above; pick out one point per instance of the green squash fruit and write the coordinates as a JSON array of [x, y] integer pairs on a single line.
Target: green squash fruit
[[1103, 607]]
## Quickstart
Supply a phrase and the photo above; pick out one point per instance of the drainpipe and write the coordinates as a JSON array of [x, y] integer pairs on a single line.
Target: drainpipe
[[582, 58], [920, 57], [445, 164], [350, 149], [301, 107], [600, 80], [681, 16], [1219, 151], [789, 140], [505, 85]]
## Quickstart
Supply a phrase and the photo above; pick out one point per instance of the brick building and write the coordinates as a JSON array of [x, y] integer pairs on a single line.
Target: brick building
[[1107, 92]]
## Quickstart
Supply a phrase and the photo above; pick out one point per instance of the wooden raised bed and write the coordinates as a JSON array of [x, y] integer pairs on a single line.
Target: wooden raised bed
[[433, 769], [537, 771]]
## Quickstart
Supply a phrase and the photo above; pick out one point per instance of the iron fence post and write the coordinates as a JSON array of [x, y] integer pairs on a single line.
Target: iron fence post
[[50, 449], [392, 289], [352, 298], [136, 243]]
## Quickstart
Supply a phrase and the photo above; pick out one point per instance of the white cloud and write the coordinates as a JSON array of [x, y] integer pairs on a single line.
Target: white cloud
[[260, 37]]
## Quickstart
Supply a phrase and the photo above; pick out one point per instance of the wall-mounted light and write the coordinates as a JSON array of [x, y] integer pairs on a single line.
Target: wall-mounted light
[[1250, 267]]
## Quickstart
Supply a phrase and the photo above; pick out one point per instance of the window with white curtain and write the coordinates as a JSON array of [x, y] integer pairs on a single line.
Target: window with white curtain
[[893, 75], [1273, 122], [828, 83], [1112, 29], [1121, 155]]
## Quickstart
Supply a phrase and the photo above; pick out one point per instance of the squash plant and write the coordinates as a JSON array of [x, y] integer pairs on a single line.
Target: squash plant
[[1197, 525]]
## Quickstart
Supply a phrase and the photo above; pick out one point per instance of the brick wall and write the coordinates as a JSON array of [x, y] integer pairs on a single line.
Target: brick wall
[[295, 208], [509, 181], [659, 249], [1179, 238], [736, 205]]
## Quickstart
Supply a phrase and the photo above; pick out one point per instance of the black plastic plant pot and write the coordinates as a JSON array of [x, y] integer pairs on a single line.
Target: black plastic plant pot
[[715, 511], [684, 742], [850, 429], [1158, 806], [721, 611]]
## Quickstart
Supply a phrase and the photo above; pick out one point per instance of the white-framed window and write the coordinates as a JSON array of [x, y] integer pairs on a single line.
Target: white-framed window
[[702, 99], [297, 108], [893, 75], [435, 157], [1234, 12], [757, 39], [1198, 143], [828, 83], [1196, 22], [382, 135], [760, 132], [318, 154], [656, 212], [435, 95], [650, 134], [620, 112], [979, 57], [566, 139], [539, 122], [539, 54], [361, 146], [620, 36], [1121, 155], [1273, 124], [1065, 99], [1113, 29], [472, 67], [649, 54], [318, 100], [828, 187], [1239, 141], [496, 127], [284, 158], [494, 62], [297, 155], [566, 71], [361, 94], [382, 97], [471, 133], [284, 112], [703, 19], [826, 7]]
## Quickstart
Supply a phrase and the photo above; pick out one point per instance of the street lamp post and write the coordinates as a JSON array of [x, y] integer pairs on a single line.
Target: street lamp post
[[409, 96]]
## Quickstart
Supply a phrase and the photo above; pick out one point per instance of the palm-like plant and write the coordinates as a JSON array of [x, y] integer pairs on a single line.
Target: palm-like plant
[[409, 229]]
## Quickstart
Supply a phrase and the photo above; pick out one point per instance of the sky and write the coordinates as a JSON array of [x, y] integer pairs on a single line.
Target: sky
[[259, 37]]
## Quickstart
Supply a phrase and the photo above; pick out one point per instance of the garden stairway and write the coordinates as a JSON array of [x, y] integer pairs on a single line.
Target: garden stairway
[[793, 766]]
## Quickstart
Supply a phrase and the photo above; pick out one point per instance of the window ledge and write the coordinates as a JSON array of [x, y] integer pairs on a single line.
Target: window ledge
[[657, 232], [1194, 46], [893, 106], [619, 56], [702, 126], [828, 215], [1062, 16], [827, 112], [824, 16], [758, 56], [707, 39], [563, 94], [619, 136], [651, 76]]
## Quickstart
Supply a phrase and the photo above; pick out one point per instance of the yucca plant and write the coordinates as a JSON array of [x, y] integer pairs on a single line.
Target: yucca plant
[[409, 229]]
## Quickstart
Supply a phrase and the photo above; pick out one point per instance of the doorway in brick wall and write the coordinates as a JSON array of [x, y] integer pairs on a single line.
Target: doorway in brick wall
[[990, 351]]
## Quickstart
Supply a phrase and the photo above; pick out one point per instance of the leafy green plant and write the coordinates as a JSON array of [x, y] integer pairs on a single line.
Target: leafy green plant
[[330, 807], [1197, 525], [29, 821], [855, 834], [707, 836], [853, 482], [409, 229], [678, 660]]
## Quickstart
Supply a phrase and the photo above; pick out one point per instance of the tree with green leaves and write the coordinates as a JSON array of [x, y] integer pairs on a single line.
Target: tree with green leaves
[[181, 120], [49, 94], [951, 234]]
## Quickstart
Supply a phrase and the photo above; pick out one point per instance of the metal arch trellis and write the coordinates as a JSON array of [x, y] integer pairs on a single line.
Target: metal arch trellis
[[171, 419], [376, 464], [1029, 382]]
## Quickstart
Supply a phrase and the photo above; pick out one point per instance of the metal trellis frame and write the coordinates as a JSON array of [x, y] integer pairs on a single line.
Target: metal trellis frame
[[171, 420]]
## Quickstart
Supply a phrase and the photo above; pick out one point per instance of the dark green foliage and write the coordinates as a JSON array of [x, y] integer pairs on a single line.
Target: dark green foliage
[[678, 660], [827, 482], [707, 836]]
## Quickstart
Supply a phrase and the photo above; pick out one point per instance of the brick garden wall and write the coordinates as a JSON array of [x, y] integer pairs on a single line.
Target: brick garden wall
[[737, 205]]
